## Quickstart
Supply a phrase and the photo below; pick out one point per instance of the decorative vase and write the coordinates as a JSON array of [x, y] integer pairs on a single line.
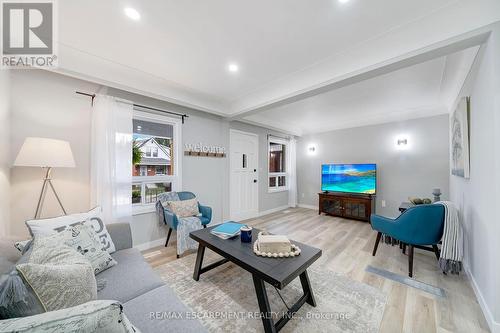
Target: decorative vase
[[437, 194]]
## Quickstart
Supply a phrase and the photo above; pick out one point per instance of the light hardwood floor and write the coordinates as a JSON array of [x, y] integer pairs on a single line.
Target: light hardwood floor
[[347, 246]]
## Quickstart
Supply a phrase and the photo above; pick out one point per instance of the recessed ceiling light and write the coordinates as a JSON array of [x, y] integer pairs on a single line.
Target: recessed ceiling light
[[132, 13], [233, 68], [344, 1]]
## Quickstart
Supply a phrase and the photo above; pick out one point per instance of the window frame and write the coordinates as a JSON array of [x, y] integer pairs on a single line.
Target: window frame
[[176, 178], [276, 175]]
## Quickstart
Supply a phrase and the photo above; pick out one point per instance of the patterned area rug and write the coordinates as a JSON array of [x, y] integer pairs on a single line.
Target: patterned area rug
[[224, 299]]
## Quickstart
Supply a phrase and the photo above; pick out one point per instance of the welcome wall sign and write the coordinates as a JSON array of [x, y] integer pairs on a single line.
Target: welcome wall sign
[[200, 149]]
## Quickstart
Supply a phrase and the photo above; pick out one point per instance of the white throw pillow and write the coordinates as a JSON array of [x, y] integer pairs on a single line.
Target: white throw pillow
[[44, 227]]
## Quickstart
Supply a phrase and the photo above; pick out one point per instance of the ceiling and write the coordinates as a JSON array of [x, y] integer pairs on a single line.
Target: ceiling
[[421, 90], [179, 50]]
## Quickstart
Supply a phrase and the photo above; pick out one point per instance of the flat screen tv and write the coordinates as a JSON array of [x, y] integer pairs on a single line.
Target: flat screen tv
[[350, 178]]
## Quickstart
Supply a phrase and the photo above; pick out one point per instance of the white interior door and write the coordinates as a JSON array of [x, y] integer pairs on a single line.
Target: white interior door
[[244, 175]]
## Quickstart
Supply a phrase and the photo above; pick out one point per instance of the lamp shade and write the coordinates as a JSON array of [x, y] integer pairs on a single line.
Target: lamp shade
[[43, 152]]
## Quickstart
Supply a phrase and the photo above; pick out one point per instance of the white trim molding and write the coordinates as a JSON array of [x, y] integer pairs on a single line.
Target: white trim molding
[[150, 245], [494, 325], [307, 206], [273, 210]]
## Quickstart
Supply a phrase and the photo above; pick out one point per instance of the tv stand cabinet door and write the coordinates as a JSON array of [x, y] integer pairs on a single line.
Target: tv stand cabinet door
[[359, 209], [332, 205]]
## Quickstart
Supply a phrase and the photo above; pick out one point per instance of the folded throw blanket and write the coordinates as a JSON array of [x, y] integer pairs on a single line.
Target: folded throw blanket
[[452, 249], [184, 228]]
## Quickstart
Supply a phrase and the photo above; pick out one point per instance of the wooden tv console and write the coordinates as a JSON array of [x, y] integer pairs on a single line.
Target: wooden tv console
[[347, 205]]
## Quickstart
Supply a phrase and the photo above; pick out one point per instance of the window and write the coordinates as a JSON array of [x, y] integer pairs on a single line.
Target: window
[[150, 151], [156, 152], [277, 164]]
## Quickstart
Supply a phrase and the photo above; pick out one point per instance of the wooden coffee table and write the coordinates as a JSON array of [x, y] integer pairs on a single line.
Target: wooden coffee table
[[278, 272]]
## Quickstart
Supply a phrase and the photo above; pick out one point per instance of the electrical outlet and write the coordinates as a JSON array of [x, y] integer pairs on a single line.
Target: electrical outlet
[[383, 203]]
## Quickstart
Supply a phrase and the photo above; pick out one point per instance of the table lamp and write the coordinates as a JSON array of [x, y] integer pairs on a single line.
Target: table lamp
[[45, 153]]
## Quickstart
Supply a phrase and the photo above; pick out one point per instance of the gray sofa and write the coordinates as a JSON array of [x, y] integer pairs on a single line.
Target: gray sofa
[[146, 299]]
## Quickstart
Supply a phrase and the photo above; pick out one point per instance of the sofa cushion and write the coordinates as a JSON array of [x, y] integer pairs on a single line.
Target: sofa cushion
[[150, 313], [131, 277]]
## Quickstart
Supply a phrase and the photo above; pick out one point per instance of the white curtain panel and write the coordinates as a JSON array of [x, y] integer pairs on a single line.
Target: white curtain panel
[[292, 172], [111, 158]]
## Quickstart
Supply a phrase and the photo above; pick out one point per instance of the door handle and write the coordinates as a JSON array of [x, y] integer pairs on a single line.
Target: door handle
[[255, 180]]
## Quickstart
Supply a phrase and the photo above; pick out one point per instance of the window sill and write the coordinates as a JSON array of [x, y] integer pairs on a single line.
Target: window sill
[[277, 190], [143, 209]]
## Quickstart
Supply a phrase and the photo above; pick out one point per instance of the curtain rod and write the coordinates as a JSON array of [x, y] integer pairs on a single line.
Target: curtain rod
[[277, 137], [183, 116]]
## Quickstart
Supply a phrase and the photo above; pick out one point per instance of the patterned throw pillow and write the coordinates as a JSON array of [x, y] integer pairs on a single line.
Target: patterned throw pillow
[[95, 316], [184, 208], [59, 275], [50, 226], [83, 239]]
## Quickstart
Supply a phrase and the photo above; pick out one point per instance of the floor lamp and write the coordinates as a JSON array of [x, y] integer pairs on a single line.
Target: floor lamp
[[47, 154]]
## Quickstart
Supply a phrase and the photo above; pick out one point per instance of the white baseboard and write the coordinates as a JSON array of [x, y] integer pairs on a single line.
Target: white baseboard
[[274, 210], [494, 325], [151, 244], [308, 206]]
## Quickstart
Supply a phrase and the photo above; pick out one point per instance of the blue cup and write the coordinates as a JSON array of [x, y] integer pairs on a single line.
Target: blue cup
[[246, 234]]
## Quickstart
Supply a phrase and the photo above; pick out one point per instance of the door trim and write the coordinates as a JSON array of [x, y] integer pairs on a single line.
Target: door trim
[[256, 214]]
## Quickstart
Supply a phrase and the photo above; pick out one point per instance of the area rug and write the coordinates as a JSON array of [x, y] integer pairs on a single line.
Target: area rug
[[224, 299]]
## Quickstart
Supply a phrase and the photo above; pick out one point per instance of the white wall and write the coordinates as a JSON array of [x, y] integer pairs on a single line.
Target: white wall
[[4, 152], [206, 177], [400, 174], [478, 197], [45, 104]]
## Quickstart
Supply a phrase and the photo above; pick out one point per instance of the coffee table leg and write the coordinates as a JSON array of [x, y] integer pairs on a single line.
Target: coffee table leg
[[306, 286], [199, 262], [265, 309]]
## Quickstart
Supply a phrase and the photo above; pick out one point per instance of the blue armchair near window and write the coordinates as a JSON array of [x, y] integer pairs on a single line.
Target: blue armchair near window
[[171, 220], [417, 226]]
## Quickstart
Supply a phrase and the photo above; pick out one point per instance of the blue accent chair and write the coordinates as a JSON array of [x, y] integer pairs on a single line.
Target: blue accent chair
[[171, 220], [416, 227]]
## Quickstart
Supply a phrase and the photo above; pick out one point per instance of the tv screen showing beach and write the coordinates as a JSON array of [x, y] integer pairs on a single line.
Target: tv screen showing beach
[[352, 178]]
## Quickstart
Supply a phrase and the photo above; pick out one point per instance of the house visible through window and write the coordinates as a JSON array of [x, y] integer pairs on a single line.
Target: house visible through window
[[277, 164], [155, 167]]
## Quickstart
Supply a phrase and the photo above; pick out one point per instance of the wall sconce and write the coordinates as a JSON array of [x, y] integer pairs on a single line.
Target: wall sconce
[[311, 149], [402, 143]]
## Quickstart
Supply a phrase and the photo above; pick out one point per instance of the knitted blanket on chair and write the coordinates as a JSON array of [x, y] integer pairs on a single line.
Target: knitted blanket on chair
[[452, 249]]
